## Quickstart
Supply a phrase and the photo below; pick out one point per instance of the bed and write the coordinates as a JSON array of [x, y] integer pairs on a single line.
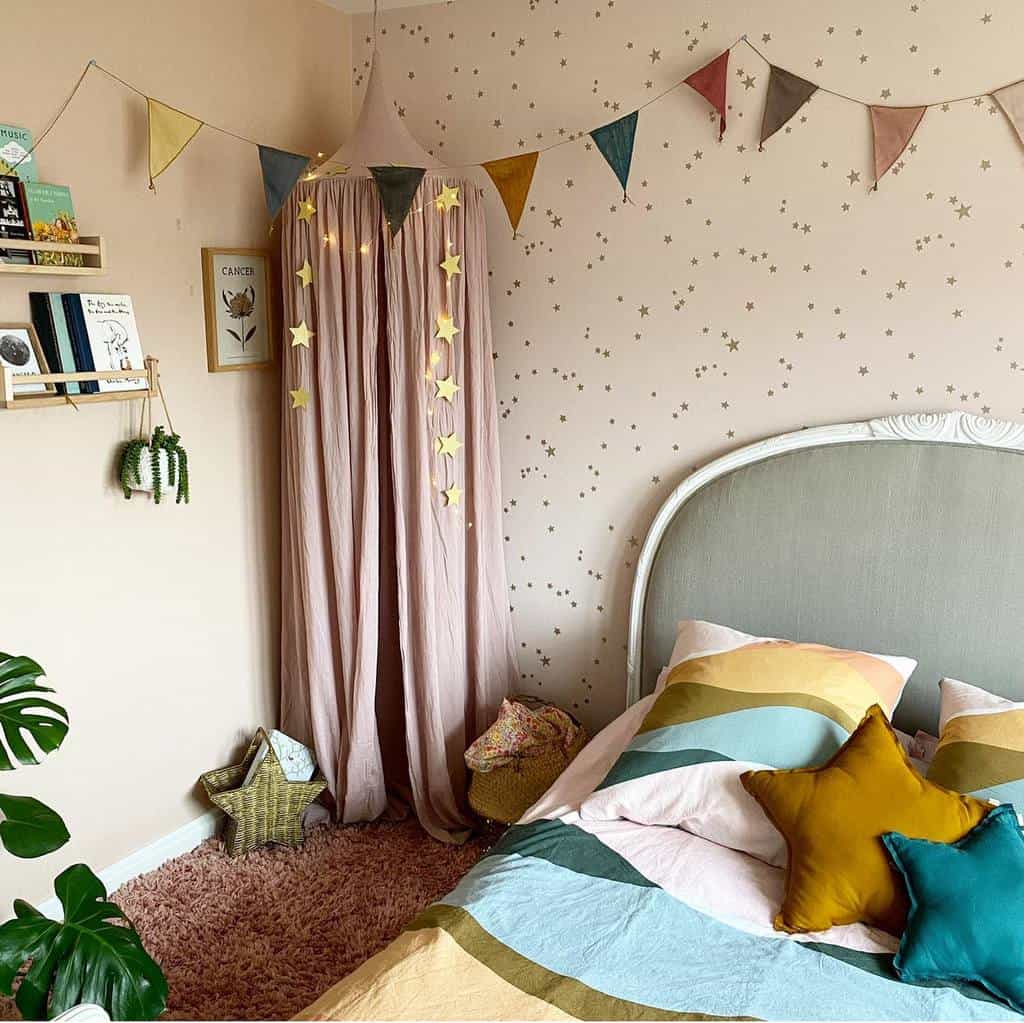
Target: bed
[[895, 534]]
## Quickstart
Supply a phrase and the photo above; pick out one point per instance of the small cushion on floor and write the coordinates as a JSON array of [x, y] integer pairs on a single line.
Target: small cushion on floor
[[966, 919]]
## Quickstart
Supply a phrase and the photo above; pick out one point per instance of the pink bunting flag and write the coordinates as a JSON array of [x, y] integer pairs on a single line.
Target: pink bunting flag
[[1011, 101], [709, 81], [892, 129]]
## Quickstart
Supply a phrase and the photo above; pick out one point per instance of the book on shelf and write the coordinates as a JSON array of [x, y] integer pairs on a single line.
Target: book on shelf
[[51, 215], [105, 336], [16, 156], [52, 327], [13, 219]]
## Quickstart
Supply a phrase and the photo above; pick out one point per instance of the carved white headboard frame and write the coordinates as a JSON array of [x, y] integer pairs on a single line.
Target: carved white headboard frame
[[936, 427]]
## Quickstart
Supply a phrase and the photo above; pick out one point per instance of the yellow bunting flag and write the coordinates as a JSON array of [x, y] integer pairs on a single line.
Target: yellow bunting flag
[[512, 178], [170, 131]]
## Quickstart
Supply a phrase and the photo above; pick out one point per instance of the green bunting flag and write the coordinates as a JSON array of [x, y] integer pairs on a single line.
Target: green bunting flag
[[615, 141], [397, 186], [280, 172], [787, 93]]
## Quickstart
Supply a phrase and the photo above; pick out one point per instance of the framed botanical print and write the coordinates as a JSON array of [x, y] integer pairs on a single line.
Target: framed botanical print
[[237, 294], [21, 352]]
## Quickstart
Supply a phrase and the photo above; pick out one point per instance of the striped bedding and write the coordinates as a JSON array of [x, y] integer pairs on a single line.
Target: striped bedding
[[573, 918]]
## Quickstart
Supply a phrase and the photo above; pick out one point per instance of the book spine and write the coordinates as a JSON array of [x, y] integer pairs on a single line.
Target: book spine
[[40, 305], [63, 338], [80, 339]]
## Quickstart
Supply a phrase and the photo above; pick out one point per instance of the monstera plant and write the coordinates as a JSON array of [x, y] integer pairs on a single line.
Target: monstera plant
[[94, 954]]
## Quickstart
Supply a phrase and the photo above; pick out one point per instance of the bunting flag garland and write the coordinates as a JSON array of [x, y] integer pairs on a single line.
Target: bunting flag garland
[[280, 172], [1011, 102], [710, 81], [512, 178], [397, 187], [170, 131], [615, 141], [891, 130], [787, 93]]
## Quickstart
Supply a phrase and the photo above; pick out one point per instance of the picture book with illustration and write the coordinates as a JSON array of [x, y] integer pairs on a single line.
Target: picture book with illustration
[[16, 156], [52, 216]]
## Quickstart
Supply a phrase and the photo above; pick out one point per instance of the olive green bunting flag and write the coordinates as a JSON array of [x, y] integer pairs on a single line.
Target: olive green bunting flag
[[280, 172], [787, 93], [615, 141], [512, 177], [170, 131], [891, 130], [397, 186], [709, 81]]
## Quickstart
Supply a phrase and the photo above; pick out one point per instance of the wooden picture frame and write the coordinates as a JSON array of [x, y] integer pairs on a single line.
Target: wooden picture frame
[[238, 298], [15, 358]]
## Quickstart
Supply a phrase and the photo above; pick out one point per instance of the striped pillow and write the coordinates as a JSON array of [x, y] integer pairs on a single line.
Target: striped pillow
[[737, 704], [981, 744]]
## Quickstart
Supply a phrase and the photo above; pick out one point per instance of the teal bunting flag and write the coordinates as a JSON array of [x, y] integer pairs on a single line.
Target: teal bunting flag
[[397, 186], [615, 141], [280, 172]]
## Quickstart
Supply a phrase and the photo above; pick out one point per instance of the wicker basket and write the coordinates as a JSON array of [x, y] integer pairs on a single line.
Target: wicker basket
[[506, 793], [268, 809]]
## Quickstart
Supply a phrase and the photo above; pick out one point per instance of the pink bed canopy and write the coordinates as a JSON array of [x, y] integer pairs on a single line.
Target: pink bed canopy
[[397, 642]]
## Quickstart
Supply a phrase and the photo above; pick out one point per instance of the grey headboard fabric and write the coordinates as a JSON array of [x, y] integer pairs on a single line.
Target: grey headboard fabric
[[901, 536]]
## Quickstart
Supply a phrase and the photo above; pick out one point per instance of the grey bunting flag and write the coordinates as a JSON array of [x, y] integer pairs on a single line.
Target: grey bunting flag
[[787, 93]]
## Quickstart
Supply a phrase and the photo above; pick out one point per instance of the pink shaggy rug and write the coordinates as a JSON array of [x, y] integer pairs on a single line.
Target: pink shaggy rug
[[262, 936]]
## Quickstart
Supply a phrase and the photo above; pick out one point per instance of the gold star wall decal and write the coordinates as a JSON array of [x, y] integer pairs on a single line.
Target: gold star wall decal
[[306, 210], [300, 397], [451, 264], [446, 388], [305, 274], [446, 327], [448, 445], [454, 495], [448, 199], [301, 335]]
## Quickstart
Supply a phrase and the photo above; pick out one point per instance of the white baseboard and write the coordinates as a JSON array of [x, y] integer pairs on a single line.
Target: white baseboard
[[184, 840]]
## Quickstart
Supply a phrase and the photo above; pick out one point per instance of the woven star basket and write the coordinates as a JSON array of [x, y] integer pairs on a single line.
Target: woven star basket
[[267, 810]]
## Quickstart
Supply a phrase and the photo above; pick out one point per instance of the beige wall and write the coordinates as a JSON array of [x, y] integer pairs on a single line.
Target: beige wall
[[744, 293], [157, 626]]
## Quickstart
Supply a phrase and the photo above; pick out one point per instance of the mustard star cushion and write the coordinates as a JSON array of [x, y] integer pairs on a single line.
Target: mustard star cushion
[[833, 818]]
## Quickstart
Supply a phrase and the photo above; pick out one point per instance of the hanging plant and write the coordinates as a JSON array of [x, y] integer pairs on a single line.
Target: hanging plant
[[157, 466]]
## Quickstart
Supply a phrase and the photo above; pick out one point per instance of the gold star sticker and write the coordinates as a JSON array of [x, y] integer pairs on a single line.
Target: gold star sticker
[[448, 198], [446, 388], [305, 274], [448, 445], [454, 495], [446, 328], [301, 335], [451, 264], [435, 358], [300, 397], [306, 210]]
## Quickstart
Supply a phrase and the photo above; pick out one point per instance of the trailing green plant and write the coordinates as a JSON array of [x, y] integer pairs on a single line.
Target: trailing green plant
[[177, 465], [94, 954]]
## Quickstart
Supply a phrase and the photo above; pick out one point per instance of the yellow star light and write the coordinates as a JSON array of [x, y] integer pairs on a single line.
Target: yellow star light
[[446, 327], [306, 210], [448, 445], [301, 335], [451, 264], [446, 388], [448, 198], [305, 274], [300, 397], [435, 358], [454, 495]]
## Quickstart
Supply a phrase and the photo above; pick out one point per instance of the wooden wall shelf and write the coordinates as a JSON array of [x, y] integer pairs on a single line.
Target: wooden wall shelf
[[90, 248], [8, 399]]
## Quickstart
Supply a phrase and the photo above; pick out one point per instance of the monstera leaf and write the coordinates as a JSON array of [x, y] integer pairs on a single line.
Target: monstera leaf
[[95, 955], [30, 828], [23, 711]]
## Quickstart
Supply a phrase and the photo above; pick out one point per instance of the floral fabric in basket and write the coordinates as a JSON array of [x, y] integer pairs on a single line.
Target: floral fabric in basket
[[521, 731]]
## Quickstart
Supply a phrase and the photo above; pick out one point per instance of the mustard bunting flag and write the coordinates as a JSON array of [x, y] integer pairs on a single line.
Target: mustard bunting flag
[[1011, 101], [170, 131], [787, 93], [512, 178], [891, 130]]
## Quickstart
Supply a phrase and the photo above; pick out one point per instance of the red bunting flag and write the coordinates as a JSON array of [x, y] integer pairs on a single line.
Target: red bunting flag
[[709, 81], [891, 130]]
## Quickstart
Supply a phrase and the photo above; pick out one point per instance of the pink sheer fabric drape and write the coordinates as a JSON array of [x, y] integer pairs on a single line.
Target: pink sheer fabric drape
[[396, 634]]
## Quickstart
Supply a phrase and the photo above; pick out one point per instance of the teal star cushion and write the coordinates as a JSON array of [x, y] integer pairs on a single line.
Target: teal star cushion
[[966, 919]]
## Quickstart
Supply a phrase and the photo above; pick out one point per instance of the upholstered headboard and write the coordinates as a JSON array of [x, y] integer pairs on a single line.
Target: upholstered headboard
[[902, 535]]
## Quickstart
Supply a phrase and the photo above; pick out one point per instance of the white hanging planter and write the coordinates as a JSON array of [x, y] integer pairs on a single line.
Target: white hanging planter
[[144, 484], [139, 457]]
